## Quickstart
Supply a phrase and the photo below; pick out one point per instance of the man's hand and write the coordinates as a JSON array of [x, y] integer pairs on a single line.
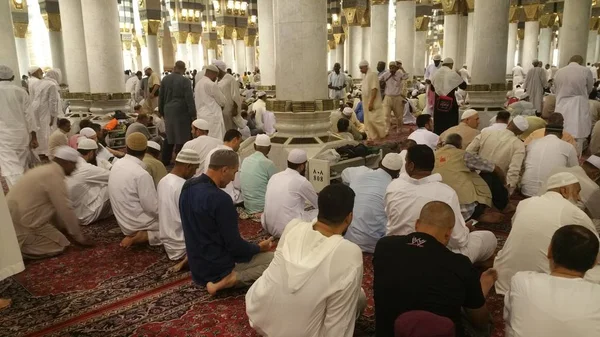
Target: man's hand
[[266, 245], [371, 106], [33, 144], [487, 279]]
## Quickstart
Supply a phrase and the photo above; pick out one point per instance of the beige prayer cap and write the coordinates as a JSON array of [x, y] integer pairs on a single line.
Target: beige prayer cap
[[188, 156], [468, 113], [201, 124], [521, 123], [6, 73], [594, 160], [263, 140], [297, 156], [437, 57], [86, 144], [561, 179], [137, 141], [392, 161], [66, 153], [448, 60]]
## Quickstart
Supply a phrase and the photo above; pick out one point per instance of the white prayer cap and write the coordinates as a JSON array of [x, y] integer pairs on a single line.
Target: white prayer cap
[[66, 153], [260, 94], [448, 60], [146, 68], [415, 92], [347, 111], [518, 92], [594, 160], [262, 140], [393, 161], [6, 73], [187, 156], [297, 156], [201, 124], [33, 69], [561, 179], [220, 64], [521, 123], [437, 57], [363, 63], [154, 145], [86, 144], [212, 68], [468, 113], [87, 132]]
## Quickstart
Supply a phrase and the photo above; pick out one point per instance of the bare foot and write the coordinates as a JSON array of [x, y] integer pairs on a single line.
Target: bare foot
[[227, 282], [491, 217], [177, 268], [139, 237], [4, 303], [487, 280]]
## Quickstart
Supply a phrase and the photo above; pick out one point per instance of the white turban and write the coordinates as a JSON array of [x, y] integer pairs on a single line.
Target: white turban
[[437, 57], [154, 145], [347, 111], [220, 64], [53, 74], [6, 73], [212, 68], [33, 69], [87, 132], [86, 144], [448, 60], [262, 140], [561, 179], [201, 124]]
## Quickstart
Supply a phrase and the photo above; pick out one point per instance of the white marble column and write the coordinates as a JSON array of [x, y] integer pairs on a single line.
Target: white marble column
[[57, 52], [212, 55], [379, 32], [405, 34], [266, 36], [451, 28], [469, 49], [355, 54], [23, 55], [182, 53], [545, 45], [153, 53], [197, 59], [461, 58], [597, 52], [521, 50], [330, 58], [240, 56], [530, 43], [251, 58], [573, 38], [8, 52], [512, 46], [366, 43], [420, 53], [339, 55], [76, 59], [591, 49], [229, 55]]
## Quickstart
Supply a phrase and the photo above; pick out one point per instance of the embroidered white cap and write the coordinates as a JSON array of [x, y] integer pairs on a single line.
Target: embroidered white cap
[[188, 156], [393, 161], [561, 179], [87, 132], [347, 111], [297, 156], [263, 140], [154, 145], [521, 123], [86, 144]]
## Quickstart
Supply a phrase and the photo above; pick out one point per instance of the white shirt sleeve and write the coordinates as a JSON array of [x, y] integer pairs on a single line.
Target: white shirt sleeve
[[147, 194], [218, 95], [341, 311], [307, 191]]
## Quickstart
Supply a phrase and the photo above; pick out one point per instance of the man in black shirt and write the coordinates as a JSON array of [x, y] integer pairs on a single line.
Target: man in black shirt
[[418, 272]]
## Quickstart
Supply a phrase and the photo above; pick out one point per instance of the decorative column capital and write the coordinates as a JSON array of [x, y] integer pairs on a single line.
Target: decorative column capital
[[339, 38], [20, 29], [126, 45], [366, 19], [181, 36], [151, 27], [250, 40], [52, 21], [331, 45], [379, 2], [421, 23], [547, 20], [450, 7], [521, 34], [532, 12], [225, 32], [195, 38], [594, 22], [240, 33], [470, 5], [354, 11], [513, 14]]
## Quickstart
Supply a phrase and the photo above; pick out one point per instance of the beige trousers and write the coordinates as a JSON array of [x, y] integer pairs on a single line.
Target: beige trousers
[[250, 271], [393, 104]]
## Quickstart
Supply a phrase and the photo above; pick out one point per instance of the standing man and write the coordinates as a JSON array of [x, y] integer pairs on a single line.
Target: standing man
[[429, 73], [233, 99], [178, 108], [132, 86], [45, 107], [374, 115], [210, 101], [18, 128], [35, 74], [573, 86], [151, 99], [465, 74], [445, 83], [534, 85], [336, 83], [518, 75], [394, 96]]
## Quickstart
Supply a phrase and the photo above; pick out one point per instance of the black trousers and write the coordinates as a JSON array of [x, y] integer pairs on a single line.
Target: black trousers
[[499, 193], [167, 151]]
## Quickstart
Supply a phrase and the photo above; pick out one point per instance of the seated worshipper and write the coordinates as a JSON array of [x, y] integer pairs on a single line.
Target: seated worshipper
[[231, 141], [438, 281], [423, 134], [84, 123], [419, 323], [503, 148], [595, 139], [59, 136], [445, 82], [467, 128], [218, 257], [555, 119], [594, 106], [542, 156], [202, 142], [350, 173], [153, 164], [500, 122], [355, 127], [343, 126], [534, 123], [169, 221], [88, 185], [133, 195], [404, 146], [140, 125], [40, 208], [255, 173], [560, 303], [522, 107], [260, 108], [476, 191], [369, 218], [322, 272], [287, 194], [535, 221], [405, 197]]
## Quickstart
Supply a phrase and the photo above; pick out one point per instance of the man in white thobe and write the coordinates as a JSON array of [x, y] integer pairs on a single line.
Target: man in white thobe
[[533, 225], [573, 86], [314, 278], [233, 99], [11, 261], [45, 107], [336, 82], [535, 82], [287, 194], [210, 101], [88, 185], [35, 74], [518, 74], [260, 109], [132, 86], [203, 142], [169, 190], [18, 128], [465, 74], [406, 196]]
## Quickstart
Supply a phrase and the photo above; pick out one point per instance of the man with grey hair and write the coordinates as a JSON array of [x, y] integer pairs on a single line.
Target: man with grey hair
[[218, 256], [534, 85]]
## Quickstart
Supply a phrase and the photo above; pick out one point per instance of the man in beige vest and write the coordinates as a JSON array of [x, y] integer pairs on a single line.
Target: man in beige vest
[[476, 192], [467, 128]]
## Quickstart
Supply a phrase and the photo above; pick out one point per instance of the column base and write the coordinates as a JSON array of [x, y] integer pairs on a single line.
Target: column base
[[96, 107], [488, 100]]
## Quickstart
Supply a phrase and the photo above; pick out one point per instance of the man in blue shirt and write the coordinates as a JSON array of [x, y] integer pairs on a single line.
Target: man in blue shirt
[[218, 256]]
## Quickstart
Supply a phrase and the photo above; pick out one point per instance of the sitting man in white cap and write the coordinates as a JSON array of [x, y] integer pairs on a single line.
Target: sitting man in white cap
[[210, 101], [88, 185], [133, 195], [533, 225], [203, 142], [503, 148], [349, 114], [153, 164], [467, 128], [152, 91], [231, 141], [40, 208], [393, 100], [233, 99], [369, 220], [423, 134], [260, 108], [169, 190], [287, 194], [255, 172]]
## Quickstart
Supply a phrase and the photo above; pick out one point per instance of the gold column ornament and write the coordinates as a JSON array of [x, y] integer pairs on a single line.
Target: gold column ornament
[[20, 29], [594, 23], [366, 19], [240, 33], [331, 45], [532, 12], [450, 7], [225, 32], [52, 21], [513, 14], [547, 20], [181, 37], [339, 38], [380, 2], [421, 23], [126, 45], [151, 27], [520, 34], [195, 38], [250, 40], [470, 5]]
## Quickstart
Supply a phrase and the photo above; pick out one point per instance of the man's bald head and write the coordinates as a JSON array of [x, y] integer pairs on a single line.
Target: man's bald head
[[436, 219], [577, 59]]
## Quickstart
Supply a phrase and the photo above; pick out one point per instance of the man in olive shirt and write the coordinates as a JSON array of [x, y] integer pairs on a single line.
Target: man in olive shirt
[[151, 99], [153, 164]]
